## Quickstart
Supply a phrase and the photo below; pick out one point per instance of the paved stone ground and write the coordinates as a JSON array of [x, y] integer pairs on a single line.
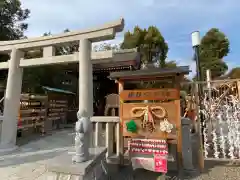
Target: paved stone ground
[[28, 162], [213, 171]]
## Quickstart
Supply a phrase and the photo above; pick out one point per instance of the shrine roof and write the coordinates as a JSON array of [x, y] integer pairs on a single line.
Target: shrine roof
[[122, 60], [150, 72]]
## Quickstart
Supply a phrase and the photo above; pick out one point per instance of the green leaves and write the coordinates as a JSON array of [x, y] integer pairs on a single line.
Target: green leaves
[[131, 126], [106, 47], [11, 20], [150, 42], [11, 26], [234, 73], [215, 44], [57, 76], [214, 47]]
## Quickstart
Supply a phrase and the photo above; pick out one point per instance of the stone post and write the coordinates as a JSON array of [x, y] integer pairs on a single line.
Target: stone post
[[83, 125], [12, 102]]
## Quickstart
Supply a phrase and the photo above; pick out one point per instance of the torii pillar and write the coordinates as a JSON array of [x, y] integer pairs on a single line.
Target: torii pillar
[[85, 112], [12, 102]]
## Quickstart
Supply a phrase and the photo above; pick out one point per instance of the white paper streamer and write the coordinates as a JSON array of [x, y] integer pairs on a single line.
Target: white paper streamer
[[225, 127], [166, 126]]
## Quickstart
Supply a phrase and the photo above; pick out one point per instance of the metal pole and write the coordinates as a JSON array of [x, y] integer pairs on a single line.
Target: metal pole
[[200, 89], [208, 75], [200, 107], [199, 71]]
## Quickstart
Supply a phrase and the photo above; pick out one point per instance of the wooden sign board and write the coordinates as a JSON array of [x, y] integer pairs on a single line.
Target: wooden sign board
[[153, 94], [149, 154], [172, 115]]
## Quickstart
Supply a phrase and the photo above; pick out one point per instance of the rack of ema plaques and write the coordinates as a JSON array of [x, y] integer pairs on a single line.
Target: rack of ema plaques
[[150, 121]]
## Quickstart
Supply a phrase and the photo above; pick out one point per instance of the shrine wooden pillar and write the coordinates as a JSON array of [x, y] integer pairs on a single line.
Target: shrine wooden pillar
[[120, 137]]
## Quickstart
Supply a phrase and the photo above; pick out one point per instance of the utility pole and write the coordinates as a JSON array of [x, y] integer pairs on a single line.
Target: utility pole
[[196, 44]]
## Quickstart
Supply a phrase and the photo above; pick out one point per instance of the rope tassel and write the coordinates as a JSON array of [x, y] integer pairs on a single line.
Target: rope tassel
[[148, 113]]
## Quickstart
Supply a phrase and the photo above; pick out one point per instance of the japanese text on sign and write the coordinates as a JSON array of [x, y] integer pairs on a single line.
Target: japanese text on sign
[[157, 94], [148, 94], [147, 146]]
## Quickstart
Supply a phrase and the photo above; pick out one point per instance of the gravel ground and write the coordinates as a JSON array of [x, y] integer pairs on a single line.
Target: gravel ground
[[214, 170]]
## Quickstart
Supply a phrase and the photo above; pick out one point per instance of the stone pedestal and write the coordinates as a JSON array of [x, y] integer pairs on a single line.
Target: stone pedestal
[[62, 167]]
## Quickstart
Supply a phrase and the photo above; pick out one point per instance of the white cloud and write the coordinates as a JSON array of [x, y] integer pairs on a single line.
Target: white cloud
[[56, 15], [176, 19]]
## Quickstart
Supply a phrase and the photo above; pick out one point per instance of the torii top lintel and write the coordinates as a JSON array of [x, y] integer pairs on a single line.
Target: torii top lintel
[[102, 33]]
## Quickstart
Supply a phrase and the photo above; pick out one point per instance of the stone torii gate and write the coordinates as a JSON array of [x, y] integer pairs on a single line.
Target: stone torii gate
[[15, 66]]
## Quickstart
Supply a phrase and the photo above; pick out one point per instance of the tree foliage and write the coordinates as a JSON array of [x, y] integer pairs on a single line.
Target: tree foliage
[[57, 76], [106, 47], [214, 47], [12, 25], [11, 20], [150, 43], [234, 73], [171, 64]]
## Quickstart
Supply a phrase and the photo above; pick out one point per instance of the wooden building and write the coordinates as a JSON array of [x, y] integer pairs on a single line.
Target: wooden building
[[124, 60]]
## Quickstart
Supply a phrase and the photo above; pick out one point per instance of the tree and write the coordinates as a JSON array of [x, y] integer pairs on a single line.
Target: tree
[[12, 25], [234, 73], [171, 64], [150, 43], [106, 47], [11, 20], [214, 47], [57, 76]]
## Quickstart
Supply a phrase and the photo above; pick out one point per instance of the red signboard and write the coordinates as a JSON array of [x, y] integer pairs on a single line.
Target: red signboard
[[160, 163]]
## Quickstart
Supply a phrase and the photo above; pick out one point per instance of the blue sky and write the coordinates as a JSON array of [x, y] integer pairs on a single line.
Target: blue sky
[[176, 19]]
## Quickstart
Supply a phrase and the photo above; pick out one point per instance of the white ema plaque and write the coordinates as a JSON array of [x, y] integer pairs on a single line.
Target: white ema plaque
[[147, 146], [143, 163]]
